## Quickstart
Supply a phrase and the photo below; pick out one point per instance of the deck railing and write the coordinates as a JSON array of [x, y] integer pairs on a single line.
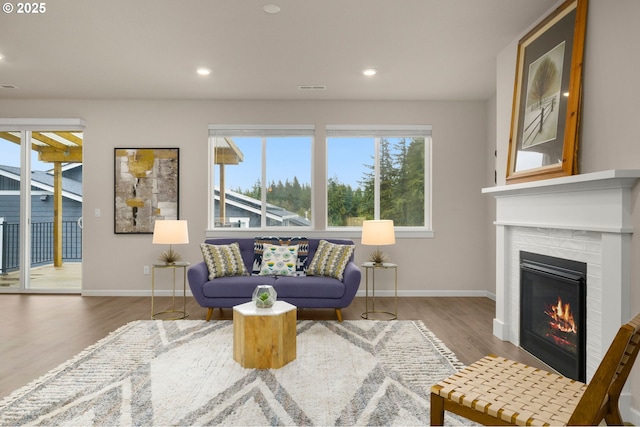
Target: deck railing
[[41, 244]]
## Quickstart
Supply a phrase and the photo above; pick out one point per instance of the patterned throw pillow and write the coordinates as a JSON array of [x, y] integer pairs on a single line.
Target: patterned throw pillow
[[223, 260], [330, 260], [279, 260], [303, 251]]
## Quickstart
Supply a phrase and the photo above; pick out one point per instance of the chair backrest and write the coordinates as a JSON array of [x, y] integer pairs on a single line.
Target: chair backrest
[[604, 389]]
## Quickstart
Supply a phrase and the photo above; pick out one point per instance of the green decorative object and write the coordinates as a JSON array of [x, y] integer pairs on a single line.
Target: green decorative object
[[264, 296]]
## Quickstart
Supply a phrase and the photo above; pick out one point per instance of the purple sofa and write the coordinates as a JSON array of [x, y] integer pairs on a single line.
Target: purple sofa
[[301, 291]]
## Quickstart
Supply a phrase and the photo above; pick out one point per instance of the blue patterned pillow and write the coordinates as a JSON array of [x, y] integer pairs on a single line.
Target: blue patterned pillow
[[303, 251]]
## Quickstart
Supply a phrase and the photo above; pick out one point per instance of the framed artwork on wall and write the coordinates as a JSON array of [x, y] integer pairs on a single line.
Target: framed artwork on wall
[[146, 188], [545, 118]]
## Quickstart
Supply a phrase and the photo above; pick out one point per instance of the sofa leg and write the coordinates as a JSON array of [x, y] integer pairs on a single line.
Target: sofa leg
[[339, 314], [209, 314]]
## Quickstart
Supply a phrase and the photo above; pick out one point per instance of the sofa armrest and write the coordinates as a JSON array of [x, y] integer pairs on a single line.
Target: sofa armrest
[[351, 280], [198, 275]]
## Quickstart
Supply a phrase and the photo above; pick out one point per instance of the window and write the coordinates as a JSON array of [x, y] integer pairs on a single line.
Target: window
[[261, 176], [378, 173]]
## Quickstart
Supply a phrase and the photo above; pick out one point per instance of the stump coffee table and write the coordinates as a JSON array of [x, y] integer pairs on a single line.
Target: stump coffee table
[[264, 338]]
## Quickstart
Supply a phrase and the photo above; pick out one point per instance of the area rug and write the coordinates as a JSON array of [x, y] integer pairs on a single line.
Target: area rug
[[183, 373]]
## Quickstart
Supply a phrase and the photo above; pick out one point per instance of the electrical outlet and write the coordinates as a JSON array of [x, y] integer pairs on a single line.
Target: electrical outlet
[[146, 269], [98, 213]]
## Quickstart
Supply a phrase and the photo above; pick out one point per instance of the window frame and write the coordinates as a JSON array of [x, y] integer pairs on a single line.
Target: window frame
[[263, 132], [319, 227], [378, 132]]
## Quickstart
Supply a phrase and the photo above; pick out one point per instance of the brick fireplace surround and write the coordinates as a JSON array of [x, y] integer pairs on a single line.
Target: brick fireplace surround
[[584, 218]]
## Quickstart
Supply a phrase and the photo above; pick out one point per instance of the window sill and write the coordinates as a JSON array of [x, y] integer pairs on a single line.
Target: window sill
[[353, 234]]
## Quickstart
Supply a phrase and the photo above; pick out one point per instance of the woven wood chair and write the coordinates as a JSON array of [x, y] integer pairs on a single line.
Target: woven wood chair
[[498, 391]]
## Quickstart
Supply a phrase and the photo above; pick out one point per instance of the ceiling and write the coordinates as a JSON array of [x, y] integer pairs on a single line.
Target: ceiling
[[150, 49]]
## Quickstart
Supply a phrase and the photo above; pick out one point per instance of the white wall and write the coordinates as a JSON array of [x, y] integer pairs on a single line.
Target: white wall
[[113, 264], [610, 111]]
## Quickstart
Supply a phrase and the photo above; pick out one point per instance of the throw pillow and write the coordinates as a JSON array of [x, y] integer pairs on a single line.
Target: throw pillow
[[279, 260], [303, 251], [330, 260], [223, 260]]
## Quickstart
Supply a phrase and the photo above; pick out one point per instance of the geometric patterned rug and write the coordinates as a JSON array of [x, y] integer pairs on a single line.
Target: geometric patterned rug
[[182, 372]]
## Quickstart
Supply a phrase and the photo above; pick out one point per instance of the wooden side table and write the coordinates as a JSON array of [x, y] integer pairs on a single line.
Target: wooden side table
[[368, 313], [178, 314], [264, 338]]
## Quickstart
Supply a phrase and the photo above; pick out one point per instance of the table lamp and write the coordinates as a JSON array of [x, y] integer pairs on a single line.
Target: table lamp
[[170, 232], [378, 232]]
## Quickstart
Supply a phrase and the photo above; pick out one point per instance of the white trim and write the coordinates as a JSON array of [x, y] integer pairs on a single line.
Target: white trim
[[17, 124], [239, 130], [378, 131], [351, 233]]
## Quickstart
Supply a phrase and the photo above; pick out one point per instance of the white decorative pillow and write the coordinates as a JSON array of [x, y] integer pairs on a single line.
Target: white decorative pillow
[[279, 260]]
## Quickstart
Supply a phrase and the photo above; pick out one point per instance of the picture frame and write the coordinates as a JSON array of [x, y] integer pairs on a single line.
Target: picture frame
[[543, 141], [146, 188]]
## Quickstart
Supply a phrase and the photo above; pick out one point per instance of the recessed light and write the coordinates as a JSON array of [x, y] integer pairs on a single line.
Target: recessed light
[[271, 8], [370, 72], [203, 71]]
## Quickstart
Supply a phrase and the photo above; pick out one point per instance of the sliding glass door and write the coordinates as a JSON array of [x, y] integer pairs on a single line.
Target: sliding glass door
[[40, 205]]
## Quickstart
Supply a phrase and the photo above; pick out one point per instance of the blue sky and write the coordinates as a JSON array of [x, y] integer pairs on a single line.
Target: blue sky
[[10, 156], [289, 157]]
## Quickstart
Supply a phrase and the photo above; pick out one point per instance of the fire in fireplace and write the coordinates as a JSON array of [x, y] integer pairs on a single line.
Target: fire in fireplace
[[553, 312]]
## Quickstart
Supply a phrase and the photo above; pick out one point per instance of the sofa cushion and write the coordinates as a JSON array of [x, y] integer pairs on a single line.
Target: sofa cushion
[[330, 260], [235, 286], [223, 260], [309, 287], [279, 260], [303, 250]]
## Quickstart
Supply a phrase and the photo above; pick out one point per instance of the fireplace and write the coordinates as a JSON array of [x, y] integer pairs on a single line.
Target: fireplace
[[553, 312]]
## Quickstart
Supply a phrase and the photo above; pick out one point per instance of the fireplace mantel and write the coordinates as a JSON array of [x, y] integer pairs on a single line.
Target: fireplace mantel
[[599, 201], [585, 217]]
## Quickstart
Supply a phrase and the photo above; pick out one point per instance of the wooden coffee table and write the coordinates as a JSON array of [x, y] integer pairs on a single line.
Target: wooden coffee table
[[264, 338]]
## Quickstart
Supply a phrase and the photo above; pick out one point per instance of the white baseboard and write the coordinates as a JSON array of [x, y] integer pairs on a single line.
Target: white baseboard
[[633, 417], [360, 293], [134, 293], [418, 293]]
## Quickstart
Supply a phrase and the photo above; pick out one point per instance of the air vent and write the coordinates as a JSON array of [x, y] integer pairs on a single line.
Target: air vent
[[312, 87], [8, 87]]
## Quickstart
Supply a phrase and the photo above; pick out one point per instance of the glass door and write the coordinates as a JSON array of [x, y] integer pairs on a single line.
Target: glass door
[[42, 234], [10, 219]]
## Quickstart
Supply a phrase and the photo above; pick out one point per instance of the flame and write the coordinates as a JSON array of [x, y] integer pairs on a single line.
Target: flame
[[562, 318]]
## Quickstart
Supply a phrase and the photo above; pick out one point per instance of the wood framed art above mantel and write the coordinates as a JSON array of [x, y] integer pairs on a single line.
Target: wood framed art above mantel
[[543, 141]]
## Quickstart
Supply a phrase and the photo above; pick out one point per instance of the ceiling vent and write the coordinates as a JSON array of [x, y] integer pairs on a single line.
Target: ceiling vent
[[312, 87], [8, 87]]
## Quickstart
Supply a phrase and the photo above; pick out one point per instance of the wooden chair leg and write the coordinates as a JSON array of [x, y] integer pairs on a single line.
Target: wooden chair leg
[[437, 410], [209, 314], [613, 416], [339, 314]]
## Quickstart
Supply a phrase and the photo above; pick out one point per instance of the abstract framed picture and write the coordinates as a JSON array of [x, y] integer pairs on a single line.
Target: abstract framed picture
[[545, 118], [146, 188]]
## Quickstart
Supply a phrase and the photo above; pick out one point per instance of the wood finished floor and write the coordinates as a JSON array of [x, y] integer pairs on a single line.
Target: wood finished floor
[[39, 332]]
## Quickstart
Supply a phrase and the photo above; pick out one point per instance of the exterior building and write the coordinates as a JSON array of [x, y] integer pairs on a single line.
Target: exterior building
[[41, 216]]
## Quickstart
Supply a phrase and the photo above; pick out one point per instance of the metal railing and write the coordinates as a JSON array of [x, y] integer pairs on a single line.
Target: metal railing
[[41, 244]]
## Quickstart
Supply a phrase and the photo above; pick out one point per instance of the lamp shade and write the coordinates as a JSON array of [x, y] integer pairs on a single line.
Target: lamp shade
[[378, 232], [171, 232]]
